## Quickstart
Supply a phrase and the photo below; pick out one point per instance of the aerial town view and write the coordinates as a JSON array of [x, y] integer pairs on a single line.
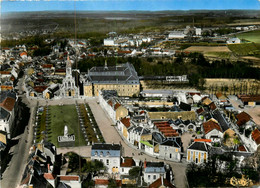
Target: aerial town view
[[130, 93]]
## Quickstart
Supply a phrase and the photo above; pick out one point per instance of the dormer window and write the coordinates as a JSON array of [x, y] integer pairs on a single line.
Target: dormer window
[[96, 153], [101, 153], [108, 154]]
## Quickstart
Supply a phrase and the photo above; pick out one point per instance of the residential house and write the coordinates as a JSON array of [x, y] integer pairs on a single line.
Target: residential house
[[197, 152], [171, 149], [127, 163], [137, 134], [114, 109], [255, 137], [109, 154], [123, 125], [161, 183], [212, 131], [152, 171], [245, 120], [8, 108], [222, 99]]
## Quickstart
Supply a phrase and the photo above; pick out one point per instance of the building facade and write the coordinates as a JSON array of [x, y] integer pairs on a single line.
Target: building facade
[[122, 78]]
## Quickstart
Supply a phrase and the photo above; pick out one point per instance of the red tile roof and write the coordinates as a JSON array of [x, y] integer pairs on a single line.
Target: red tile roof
[[23, 53], [212, 106], [8, 103], [126, 122], [241, 148], [256, 136], [49, 176], [110, 102], [165, 128], [101, 182], [124, 52], [242, 118], [48, 66], [210, 125], [39, 89], [5, 72], [117, 106], [69, 178], [128, 162], [200, 110], [192, 93], [158, 183], [249, 98], [202, 140]]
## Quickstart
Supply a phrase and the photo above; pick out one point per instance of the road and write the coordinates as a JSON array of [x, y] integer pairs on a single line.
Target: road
[[13, 174]]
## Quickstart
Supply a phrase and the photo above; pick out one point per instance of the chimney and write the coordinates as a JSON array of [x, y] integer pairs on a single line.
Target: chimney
[[48, 167], [145, 163]]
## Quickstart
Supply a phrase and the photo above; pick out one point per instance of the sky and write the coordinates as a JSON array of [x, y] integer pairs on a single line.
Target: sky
[[124, 5]]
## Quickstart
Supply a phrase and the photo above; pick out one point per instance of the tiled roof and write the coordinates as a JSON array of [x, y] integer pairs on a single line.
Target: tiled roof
[[110, 102], [250, 98], [158, 183], [241, 148], [101, 181], [49, 176], [69, 178], [201, 146], [210, 125], [39, 89], [212, 106], [47, 66], [128, 162], [242, 118], [126, 122], [202, 140], [23, 53], [200, 110], [8, 103], [206, 101], [256, 136], [117, 105]]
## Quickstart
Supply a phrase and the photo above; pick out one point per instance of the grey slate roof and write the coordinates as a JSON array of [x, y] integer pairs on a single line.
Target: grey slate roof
[[154, 167], [201, 146], [3, 113], [176, 142], [112, 150], [221, 120], [124, 73], [5, 94]]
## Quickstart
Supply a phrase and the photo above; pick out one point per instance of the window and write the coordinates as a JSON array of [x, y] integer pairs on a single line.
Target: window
[[122, 169], [170, 155], [149, 177], [154, 177], [107, 161]]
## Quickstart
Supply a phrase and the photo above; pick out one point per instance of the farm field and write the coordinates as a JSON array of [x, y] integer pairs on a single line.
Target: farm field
[[205, 49], [245, 49], [252, 36], [224, 55]]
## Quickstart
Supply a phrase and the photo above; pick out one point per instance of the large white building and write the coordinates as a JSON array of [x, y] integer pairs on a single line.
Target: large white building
[[109, 154]]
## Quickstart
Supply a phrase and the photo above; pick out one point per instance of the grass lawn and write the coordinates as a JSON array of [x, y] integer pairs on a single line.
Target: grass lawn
[[61, 116], [253, 36]]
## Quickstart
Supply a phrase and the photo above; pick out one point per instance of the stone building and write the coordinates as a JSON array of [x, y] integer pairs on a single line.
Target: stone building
[[69, 87], [122, 78]]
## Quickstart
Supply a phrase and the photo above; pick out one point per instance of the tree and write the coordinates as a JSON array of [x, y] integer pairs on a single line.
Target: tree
[[134, 172]]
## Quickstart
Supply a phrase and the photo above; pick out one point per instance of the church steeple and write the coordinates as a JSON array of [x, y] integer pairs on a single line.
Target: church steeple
[[68, 67]]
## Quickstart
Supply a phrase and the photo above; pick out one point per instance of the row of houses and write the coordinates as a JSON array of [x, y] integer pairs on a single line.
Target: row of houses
[[158, 133]]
